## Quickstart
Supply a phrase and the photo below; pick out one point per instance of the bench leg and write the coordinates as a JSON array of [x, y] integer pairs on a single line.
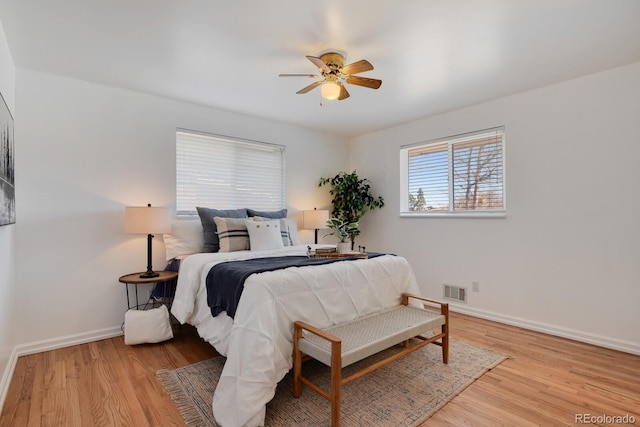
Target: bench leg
[[445, 331], [445, 344], [297, 362], [336, 382]]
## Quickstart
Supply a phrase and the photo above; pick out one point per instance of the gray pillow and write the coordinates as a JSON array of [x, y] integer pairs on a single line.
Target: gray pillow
[[282, 213], [211, 242]]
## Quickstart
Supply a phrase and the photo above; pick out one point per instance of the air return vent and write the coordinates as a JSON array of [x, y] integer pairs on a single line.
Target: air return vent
[[455, 293]]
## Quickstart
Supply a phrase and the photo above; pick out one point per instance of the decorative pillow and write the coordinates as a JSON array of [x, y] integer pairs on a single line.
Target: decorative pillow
[[147, 326], [284, 229], [232, 234], [292, 229], [211, 243], [186, 238], [282, 213], [264, 235]]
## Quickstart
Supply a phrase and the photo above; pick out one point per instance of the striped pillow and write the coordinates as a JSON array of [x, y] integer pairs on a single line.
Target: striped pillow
[[232, 233]]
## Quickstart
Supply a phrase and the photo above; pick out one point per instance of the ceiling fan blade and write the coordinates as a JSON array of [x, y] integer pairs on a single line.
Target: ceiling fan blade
[[364, 81], [308, 88], [343, 92], [357, 67], [313, 76], [319, 63]]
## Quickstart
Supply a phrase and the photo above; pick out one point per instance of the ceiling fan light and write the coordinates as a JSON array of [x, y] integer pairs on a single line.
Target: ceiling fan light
[[330, 90]]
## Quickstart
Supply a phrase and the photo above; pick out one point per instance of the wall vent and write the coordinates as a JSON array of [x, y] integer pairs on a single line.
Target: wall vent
[[455, 293]]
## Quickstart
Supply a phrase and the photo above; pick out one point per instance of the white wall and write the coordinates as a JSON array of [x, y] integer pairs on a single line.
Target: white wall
[[566, 259], [7, 240], [85, 152]]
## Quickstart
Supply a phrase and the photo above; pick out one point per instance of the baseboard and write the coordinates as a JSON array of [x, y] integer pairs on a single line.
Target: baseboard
[[6, 377], [68, 341], [599, 340]]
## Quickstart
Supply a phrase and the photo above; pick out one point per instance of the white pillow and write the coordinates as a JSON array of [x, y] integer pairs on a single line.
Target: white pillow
[[284, 228], [186, 238], [147, 326], [264, 235]]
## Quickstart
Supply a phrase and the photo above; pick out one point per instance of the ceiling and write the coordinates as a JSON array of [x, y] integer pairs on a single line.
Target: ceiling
[[432, 55]]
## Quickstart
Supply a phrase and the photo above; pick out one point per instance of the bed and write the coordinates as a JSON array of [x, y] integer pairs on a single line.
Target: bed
[[258, 341]]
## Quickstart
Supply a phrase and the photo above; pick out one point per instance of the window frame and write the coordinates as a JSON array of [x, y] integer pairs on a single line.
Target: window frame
[[244, 144], [451, 141]]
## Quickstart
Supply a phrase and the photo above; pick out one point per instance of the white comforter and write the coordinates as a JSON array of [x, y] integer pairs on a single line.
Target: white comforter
[[258, 342]]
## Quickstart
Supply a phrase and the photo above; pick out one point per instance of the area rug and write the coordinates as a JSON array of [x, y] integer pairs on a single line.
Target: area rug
[[403, 393]]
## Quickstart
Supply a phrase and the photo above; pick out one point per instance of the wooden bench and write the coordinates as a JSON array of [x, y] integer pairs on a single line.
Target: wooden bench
[[341, 345]]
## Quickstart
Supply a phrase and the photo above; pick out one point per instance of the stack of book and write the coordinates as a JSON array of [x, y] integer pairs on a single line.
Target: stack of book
[[333, 253], [325, 251]]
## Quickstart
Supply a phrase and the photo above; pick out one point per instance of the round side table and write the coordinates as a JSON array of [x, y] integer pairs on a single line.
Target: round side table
[[134, 279]]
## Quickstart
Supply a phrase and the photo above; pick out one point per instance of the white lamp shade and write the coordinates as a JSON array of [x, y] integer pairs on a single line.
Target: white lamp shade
[[315, 219], [330, 90], [147, 220]]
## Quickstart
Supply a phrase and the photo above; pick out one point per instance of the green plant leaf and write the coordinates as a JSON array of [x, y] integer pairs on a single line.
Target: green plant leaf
[[352, 198]]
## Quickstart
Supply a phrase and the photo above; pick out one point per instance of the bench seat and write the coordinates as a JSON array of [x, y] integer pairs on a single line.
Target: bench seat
[[371, 334]]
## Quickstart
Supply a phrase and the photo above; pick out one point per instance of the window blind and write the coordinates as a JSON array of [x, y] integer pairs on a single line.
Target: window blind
[[429, 178], [227, 173]]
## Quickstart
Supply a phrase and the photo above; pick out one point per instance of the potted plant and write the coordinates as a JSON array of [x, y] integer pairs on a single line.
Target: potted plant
[[342, 230], [352, 198]]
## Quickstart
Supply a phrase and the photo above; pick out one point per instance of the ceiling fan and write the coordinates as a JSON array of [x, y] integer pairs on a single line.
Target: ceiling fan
[[334, 74]]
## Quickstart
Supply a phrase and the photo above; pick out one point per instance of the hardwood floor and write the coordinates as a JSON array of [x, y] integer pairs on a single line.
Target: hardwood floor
[[548, 381]]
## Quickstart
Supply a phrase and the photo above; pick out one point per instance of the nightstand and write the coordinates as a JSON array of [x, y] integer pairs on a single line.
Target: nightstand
[[134, 279]]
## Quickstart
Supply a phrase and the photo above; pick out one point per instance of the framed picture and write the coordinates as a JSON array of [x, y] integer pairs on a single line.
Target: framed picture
[[7, 181]]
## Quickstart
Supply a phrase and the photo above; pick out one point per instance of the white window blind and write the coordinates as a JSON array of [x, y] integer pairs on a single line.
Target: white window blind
[[459, 174], [227, 173]]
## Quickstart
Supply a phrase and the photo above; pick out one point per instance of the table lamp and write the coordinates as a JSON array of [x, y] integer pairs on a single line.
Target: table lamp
[[147, 220], [314, 220]]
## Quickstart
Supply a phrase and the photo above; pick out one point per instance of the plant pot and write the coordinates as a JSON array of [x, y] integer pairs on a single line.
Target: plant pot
[[344, 247]]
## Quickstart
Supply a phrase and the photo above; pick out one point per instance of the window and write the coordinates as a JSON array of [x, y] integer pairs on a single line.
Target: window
[[459, 175], [227, 173]]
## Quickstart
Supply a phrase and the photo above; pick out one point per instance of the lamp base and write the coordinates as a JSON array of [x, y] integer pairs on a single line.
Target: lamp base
[[149, 275]]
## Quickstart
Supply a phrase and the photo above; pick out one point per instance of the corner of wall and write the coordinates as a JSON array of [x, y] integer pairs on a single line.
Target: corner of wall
[[8, 338]]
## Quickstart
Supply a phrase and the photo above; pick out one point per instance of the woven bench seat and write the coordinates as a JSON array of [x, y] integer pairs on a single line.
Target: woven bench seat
[[341, 345], [371, 334]]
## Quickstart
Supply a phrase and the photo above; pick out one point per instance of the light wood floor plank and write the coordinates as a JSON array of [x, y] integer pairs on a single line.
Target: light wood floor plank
[[547, 382]]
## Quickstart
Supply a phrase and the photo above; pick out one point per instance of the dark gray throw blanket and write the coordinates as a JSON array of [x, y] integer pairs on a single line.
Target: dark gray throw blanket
[[225, 281]]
